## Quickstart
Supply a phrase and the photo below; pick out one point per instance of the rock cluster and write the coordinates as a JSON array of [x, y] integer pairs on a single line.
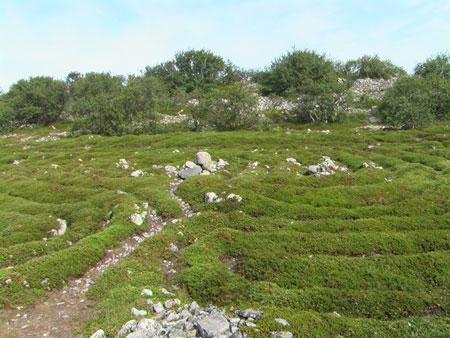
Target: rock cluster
[[175, 320], [202, 165], [274, 103], [325, 167], [170, 119], [373, 88]]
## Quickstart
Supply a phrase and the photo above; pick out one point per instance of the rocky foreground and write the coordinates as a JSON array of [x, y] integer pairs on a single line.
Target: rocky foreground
[[171, 319]]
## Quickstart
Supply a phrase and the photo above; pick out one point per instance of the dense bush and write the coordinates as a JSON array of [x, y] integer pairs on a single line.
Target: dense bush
[[415, 102], [226, 108], [369, 67], [299, 73], [310, 80], [7, 121], [194, 70], [439, 65], [107, 104], [36, 100]]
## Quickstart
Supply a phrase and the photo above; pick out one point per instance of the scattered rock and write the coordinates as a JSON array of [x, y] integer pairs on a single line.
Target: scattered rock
[[170, 119], [325, 167], [158, 307], [211, 325], [122, 163], [147, 292], [203, 158], [166, 293], [293, 161], [234, 197], [127, 328], [189, 172], [138, 313], [138, 218], [99, 334], [250, 313], [282, 334], [253, 165], [137, 173], [371, 165], [203, 165], [146, 328], [171, 303], [221, 163], [173, 248], [282, 321], [211, 197], [372, 88], [374, 127], [171, 170]]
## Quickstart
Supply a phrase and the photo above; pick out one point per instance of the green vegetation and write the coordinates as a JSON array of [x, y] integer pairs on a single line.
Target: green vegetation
[[369, 67], [349, 254], [315, 88], [439, 66], [226, 108], [415, 102]]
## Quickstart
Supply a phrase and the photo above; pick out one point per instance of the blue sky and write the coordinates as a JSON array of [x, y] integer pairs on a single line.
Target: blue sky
[[50, 37]]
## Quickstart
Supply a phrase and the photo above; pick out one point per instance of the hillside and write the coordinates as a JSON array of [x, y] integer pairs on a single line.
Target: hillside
[[362, 251]]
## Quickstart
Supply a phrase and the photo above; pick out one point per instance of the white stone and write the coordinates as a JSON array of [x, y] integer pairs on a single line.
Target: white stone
[[138, 313], [234, 197], [211, 197], [99, 334], [282, 321], [203, 158], [137, 173], [62, 228], [147, 292], [158, 307]]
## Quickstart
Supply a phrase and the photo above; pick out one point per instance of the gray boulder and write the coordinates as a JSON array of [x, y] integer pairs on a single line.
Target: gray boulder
[[202, 158], [211, 325], [189, 172], [127, 328], [146, 328], [250, 313], [99, 334]]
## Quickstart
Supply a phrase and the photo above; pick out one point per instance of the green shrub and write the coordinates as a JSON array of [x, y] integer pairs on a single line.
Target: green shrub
[[298, 73], [6, 115], [408, 103], [105, 104], [36, 100], [369, 67], [311, 80], [194, 70], [439, 65], [226, 108]]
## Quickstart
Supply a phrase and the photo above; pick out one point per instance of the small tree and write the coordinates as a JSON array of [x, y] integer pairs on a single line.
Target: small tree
[[408, 104], [298, 73], [226, 108], [439, 66], [36, 100], [194, 70], [370, 67]]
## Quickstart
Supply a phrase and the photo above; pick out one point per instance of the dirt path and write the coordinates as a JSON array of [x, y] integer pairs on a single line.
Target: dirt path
[[64, 310]]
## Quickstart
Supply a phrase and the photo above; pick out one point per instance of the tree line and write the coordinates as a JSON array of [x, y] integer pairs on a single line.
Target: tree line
[[218, 94]]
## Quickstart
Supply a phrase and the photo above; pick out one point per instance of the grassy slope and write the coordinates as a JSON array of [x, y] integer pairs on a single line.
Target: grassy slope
[[369, 245]]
